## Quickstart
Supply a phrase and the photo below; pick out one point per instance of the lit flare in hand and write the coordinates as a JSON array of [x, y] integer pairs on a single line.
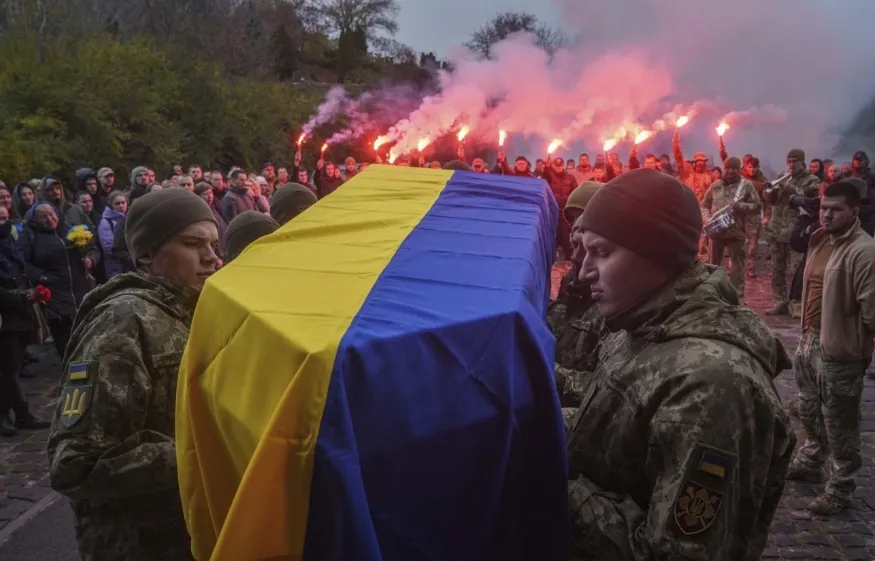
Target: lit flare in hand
[[324, 147], [722, 128], [301, 139], [682, 121], [392, 157], [642, 136], [463, 133], [423, 142], [502, 136], [610, 144], [554, 145], [379, 142]]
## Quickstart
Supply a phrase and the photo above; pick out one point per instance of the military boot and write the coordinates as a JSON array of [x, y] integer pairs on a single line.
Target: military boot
[[780, 309], [6, 427], [800, 472], [827, 505]]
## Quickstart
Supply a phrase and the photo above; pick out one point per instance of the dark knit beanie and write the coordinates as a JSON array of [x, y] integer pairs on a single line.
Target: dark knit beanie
[[244, 229], [579, 198], [456, 165], [732, 162], [650, 213], [157, 216], [289, 201], [797, 154]]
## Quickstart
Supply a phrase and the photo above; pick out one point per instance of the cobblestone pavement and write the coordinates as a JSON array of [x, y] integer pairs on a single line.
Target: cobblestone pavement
[[796, 534], [23, 463]]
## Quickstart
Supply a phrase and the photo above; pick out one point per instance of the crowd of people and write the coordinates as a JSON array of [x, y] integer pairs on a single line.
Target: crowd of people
[[669, 454]]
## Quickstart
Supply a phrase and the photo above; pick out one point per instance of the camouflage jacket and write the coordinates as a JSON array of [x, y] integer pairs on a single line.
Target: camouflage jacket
[[680, 447], [721, 195], [697, 182], [578, 327], [111, 450], [782, 217]]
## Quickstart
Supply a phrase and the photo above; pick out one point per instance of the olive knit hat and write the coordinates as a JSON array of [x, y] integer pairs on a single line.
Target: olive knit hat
[[650, 213], [289, 201], [157, 216], [244, 229]]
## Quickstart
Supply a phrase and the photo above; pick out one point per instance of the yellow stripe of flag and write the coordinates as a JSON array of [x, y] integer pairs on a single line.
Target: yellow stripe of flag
[[254, 418]]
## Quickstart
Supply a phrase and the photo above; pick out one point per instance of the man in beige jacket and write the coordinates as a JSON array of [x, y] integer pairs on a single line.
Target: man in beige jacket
[[838, 325]]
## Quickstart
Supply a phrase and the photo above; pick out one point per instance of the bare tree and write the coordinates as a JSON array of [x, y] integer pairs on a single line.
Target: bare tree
[[370, 16], [505, 24]]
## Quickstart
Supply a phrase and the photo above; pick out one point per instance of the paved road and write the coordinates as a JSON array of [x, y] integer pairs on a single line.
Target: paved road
[[43, 529]]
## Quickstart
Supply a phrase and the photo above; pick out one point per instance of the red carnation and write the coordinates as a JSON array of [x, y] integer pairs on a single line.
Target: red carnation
[[41, 294]]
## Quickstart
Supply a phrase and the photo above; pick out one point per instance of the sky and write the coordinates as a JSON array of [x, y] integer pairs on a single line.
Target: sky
[[430, 26], [810, 60]]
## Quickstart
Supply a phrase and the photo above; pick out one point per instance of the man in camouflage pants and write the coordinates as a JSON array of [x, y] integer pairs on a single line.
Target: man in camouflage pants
[[781, 222], [739, 195], [112, 450], [838, 320]]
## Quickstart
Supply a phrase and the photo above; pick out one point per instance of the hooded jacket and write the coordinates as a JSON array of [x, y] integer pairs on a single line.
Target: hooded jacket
[[20, 207], [680, 447], [136, 191], [867, 205], [83, 175], [115, 457], [109, 222], [51, 261], [69, 213]]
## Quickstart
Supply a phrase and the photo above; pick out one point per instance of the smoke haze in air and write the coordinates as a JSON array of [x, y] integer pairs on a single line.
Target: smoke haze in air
[[811, 58], [784, 73]]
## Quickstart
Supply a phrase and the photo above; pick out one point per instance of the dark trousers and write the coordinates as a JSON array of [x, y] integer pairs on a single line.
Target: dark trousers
[[12, 345], [60, 330], [563, 237]]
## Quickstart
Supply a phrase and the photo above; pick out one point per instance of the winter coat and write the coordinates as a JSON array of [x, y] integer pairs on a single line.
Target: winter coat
[[106, 234], [236, 200], [14, 307], [119, 249], [50, 260]]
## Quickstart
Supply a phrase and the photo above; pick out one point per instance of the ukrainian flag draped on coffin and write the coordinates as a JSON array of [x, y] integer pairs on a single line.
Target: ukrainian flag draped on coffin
[[373, 382]]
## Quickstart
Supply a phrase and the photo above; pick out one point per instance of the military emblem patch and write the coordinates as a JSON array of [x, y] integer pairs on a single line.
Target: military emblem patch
[[696, 508], [77, 392], [76, 400]]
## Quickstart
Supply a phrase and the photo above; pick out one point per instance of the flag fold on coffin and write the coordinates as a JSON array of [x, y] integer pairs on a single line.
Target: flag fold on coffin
[[373, 382]]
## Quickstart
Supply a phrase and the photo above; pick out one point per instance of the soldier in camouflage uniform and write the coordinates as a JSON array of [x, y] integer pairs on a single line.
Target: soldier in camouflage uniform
[[696, 176], [739, 194], [838, 320], [680, 446], [112, 450], [751, 171], [574, 320], [781, 221]]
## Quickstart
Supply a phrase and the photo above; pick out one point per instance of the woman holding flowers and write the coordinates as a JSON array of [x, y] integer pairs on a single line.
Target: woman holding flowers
[[58, 258]]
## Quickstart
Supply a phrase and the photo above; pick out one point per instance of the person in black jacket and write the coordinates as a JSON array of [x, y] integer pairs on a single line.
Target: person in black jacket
[[860, 167], [14, 333], [53, 262]]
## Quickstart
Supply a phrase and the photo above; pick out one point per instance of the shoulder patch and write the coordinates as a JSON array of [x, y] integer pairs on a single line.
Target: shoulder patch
[[696, 508], [706, 479], [80, 372], [77, 392]]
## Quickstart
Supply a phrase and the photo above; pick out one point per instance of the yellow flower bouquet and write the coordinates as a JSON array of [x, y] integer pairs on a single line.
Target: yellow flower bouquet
[[81, 237]]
